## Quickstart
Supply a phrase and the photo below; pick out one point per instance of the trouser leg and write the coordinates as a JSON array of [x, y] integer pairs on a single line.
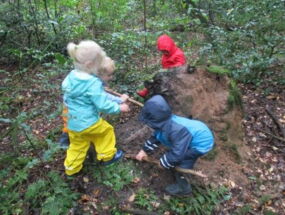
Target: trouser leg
[[76, 153], [103, 137]]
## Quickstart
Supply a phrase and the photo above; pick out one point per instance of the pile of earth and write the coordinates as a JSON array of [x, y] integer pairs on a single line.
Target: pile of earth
[[201, 95]]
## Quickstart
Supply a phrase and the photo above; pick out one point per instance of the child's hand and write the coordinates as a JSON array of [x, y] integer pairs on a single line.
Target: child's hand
[[124, 98], [141, 155], [124, 108]]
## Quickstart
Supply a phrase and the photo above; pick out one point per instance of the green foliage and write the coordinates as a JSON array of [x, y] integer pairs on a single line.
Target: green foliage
[[269, 212], [9, 191], [245, 36], [116, 175], [202, 202], [16, 128], [51, 150], [246, 209], [263, 199], [52, 195], [145, 199], [234, 98], [218, 70]]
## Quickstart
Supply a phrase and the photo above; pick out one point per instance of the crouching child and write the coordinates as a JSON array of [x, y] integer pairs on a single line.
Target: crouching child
[[186, 140]]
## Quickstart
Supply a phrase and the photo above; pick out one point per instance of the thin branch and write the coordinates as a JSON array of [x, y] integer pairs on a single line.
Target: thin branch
[[48, 16], [272, 135], [275, 120], [139, 133]]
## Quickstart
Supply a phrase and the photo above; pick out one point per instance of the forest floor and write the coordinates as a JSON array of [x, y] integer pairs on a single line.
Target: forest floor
[[137, 187]]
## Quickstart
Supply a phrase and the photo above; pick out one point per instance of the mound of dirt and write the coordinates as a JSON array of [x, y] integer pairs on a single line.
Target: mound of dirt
[[203, 96]]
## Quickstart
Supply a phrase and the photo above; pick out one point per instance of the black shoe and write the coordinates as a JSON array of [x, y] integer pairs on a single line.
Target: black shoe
[[64, 140], [119, 154], [180, 188]]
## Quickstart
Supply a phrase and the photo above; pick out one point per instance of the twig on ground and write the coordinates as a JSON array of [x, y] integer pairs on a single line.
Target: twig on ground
[[272, 135], [276, 121], [138, 133]]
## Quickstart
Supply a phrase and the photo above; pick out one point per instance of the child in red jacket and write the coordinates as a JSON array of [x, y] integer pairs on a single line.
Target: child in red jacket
[[172, 56]]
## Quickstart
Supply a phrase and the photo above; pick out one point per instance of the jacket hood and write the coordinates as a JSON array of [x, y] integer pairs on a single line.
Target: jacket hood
[[77, 83], [155, 112], [166, 43], [175, 56]]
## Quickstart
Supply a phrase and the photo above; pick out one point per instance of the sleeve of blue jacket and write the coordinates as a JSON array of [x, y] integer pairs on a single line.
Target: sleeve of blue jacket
[[113, 98], [101, 100], [151, 144], [180, 140]]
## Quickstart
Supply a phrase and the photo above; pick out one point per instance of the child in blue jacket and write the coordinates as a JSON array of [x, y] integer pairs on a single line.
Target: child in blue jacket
[[186, 140], [105, 73], [85, 98]]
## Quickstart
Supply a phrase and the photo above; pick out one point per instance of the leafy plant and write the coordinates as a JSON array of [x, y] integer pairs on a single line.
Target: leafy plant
[[244, 210], [115, 176], [202, 202], [218, 70], [247, 44], [146, 199], [9, 192], [52, 195], [234, 98]]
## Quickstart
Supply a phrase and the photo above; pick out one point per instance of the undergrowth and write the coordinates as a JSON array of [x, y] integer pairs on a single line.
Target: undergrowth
[[115, 176]]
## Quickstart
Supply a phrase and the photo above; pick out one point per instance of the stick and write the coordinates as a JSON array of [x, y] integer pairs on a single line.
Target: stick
[[272, 135], [275, 120], [129, 99], [178, 169], [140, 133]]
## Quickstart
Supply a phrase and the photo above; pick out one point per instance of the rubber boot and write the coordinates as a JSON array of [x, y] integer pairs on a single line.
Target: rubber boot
[[143, 93], [180, 188], [119, 154], [64, 140]]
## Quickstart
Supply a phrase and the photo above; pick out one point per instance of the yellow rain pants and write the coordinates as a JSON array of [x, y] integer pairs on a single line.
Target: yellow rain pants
[[101, 134]]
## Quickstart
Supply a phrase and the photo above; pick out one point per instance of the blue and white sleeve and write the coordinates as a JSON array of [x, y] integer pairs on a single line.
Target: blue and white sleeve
[[114, 98], [180, 143], [151, 144]]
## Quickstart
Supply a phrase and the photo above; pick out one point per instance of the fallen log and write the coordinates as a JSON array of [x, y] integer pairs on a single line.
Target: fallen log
[[178, 169]]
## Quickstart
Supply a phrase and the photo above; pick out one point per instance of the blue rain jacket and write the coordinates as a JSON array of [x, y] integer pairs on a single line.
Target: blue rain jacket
[[85, 98], [178, 133]]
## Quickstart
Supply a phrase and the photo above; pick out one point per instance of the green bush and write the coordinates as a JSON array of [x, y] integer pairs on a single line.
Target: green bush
[[51, 195], [115, 176], [202, 202]]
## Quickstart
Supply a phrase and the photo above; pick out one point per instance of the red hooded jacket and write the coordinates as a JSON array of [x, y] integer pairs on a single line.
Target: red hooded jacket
[[175, 57]]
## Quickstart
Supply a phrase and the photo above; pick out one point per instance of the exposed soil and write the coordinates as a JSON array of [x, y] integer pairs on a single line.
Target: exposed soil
[[203, 97]]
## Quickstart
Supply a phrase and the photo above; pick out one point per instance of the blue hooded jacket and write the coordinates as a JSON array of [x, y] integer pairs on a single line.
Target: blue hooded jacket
[[176, 132], [85, 98]]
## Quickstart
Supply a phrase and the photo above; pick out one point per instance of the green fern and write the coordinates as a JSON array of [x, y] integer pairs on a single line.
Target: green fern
[[116, 175]]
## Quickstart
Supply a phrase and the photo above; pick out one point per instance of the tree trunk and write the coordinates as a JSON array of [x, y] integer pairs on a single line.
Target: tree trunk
[[48, 16]]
